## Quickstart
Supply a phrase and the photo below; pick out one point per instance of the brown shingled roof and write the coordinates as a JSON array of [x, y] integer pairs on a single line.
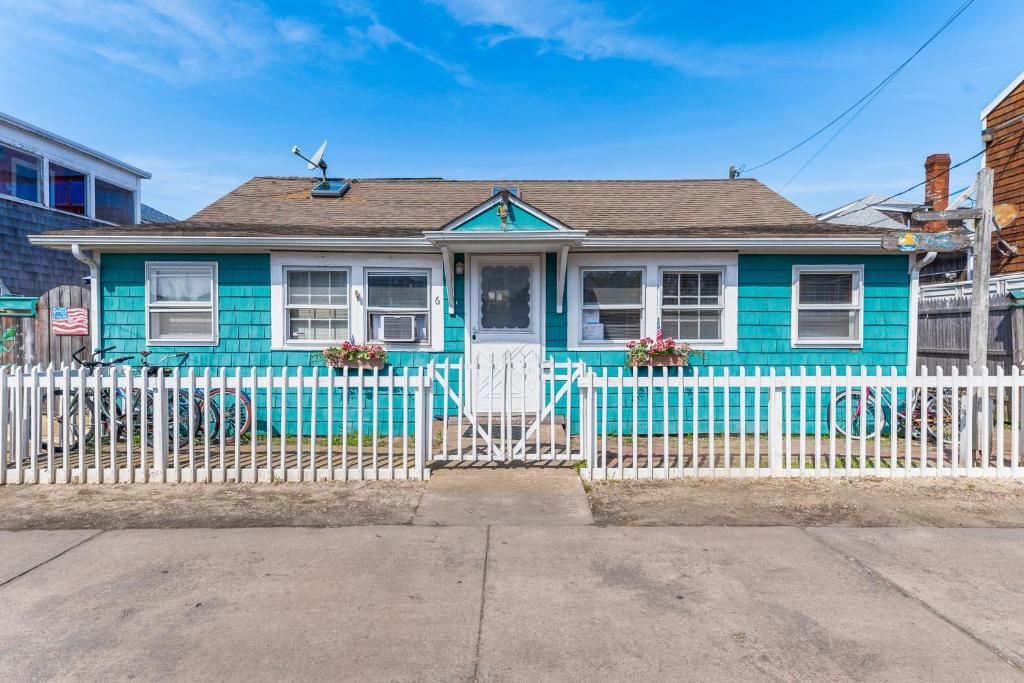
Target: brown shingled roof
[[269, 206], [415, 205]]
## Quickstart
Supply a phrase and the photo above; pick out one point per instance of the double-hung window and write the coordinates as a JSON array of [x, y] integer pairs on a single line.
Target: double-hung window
[[828, 305], [316, 305], [181, 303], [613, 304], [692, 304], [398, 306], [20, 174]]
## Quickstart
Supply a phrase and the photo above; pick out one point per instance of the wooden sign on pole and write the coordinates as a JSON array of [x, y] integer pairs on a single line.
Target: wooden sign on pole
[[911, 242]]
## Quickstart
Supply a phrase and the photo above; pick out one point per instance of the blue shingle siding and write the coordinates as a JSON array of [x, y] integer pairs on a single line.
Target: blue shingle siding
[[763, 325], [29, 270]]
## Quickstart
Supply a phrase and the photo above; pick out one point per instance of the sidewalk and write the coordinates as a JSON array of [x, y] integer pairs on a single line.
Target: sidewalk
[[512, 591]]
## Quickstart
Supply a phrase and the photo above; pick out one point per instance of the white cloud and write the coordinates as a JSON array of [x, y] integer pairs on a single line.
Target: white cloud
[[584, 30], [296, 31]]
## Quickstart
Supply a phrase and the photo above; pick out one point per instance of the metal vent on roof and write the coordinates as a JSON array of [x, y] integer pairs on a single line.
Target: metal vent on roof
[[511, 189], [330, 188]]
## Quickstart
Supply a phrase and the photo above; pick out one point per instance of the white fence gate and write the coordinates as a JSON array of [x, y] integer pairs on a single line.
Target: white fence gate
[[310, 424]]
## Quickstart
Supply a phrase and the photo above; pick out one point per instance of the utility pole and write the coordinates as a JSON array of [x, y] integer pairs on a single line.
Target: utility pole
[[978, 352]]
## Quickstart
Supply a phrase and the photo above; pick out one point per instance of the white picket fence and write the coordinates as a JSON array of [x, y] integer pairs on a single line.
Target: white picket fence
[[310, 424]]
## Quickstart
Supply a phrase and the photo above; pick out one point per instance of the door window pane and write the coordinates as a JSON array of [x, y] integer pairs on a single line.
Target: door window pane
[[67, 189], [613, 287], [114, 204], [19, 174], [505, 297]]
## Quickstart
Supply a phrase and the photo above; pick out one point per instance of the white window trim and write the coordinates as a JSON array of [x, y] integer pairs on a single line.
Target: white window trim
[[721, 300], [357, 263], [590, 344], [283, 309], [213, 307], [367, 309], [653, 264], [857, 305]]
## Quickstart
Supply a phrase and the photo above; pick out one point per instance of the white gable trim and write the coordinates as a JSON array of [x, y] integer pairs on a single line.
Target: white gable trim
[[1002, 96], [512, 199]]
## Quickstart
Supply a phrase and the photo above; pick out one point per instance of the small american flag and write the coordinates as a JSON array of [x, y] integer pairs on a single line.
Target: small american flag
[[69, 321]]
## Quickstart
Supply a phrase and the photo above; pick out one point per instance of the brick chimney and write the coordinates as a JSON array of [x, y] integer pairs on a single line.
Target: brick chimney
[[936, 188]]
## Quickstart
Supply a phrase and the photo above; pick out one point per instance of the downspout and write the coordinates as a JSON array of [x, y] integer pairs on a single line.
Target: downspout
[[94, 291], [915, 295]]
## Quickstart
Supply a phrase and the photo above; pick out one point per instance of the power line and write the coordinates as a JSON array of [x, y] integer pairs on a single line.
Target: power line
[[870, 94], [909, 189]]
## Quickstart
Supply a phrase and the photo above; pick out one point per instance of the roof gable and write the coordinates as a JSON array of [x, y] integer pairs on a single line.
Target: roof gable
[[1002, 96], [504, 212]]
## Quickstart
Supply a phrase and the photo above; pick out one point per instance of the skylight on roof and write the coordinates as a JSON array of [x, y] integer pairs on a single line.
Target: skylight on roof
[[330, 188]]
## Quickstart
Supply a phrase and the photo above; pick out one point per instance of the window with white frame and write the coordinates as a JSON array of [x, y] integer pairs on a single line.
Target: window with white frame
[[398, 306], [828, 305], [181, 303], [316, 305], [612, 304], [692, 304], [114, 204], [68, 189], [20, 174]]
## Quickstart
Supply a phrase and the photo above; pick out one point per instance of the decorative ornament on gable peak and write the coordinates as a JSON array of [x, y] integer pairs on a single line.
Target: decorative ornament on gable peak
[[503, 214]]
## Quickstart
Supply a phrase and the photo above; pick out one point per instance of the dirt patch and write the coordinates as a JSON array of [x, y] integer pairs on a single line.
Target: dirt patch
[[138, 506], [796, 502]]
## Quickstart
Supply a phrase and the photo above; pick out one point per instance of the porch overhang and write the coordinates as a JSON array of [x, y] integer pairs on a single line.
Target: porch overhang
[[518, 242]]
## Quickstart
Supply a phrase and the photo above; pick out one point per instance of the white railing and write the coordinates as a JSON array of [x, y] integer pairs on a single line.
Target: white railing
[[256, 425], [819, 422], [312, 424]]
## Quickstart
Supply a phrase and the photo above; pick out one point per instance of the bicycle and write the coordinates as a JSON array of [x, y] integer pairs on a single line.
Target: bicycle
[[213, 398], [863, 414]]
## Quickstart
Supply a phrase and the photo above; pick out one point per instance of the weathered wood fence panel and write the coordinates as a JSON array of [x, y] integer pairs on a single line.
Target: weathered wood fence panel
[[944, 331], [36, 341]]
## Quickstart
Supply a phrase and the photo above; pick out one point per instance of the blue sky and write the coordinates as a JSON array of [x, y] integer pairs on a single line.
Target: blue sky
[[206, 95]]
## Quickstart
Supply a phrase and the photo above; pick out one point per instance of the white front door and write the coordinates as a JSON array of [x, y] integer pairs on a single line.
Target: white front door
[[506, 304]]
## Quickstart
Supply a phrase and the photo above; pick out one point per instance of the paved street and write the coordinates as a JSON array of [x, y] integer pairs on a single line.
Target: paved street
[[548, 599]]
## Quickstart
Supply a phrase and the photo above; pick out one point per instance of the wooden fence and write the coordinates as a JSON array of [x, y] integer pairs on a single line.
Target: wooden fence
[[944, 330], [36, 342]]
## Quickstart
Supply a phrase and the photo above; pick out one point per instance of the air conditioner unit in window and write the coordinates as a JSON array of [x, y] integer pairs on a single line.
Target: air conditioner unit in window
[[398, 328]]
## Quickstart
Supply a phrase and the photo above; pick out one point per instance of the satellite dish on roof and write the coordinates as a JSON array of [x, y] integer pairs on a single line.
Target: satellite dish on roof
[[316, 161]]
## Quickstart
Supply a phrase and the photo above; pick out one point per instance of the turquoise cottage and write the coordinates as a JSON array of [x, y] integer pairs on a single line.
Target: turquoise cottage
[[281, 267]]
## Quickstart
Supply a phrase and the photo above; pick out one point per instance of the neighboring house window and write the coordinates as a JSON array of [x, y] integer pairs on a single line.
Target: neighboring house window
[[691, 305], [398, 306], [316, 302], [613, 304], [19, 174], [828, 305], [114, 204], [181, 303], [67, 189]]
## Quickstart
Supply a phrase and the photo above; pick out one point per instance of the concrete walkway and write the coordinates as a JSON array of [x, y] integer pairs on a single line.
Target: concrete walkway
[[501, 576]]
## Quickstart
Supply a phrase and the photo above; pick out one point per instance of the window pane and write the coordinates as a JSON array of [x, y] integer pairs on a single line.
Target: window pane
[[698, 325], [691, 289], [315, 324], [67, 189], [19, 174], [505, 297], [826, 288], [114, 204], [397, 290], [377, 327], [609, 325], [181, 325], [613, 287], [827, 325], [184, 285]]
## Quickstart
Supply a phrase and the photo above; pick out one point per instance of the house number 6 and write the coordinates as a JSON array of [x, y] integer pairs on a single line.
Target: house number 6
[[437, 301]]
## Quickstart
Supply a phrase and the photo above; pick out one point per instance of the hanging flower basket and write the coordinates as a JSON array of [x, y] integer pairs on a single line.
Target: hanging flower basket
[[362, 356], [665, 352]]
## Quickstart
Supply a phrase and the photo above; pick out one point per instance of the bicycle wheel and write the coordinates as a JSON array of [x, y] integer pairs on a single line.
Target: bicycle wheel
[[861, 415], [949, 424], [51, 422], [230, 399]]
